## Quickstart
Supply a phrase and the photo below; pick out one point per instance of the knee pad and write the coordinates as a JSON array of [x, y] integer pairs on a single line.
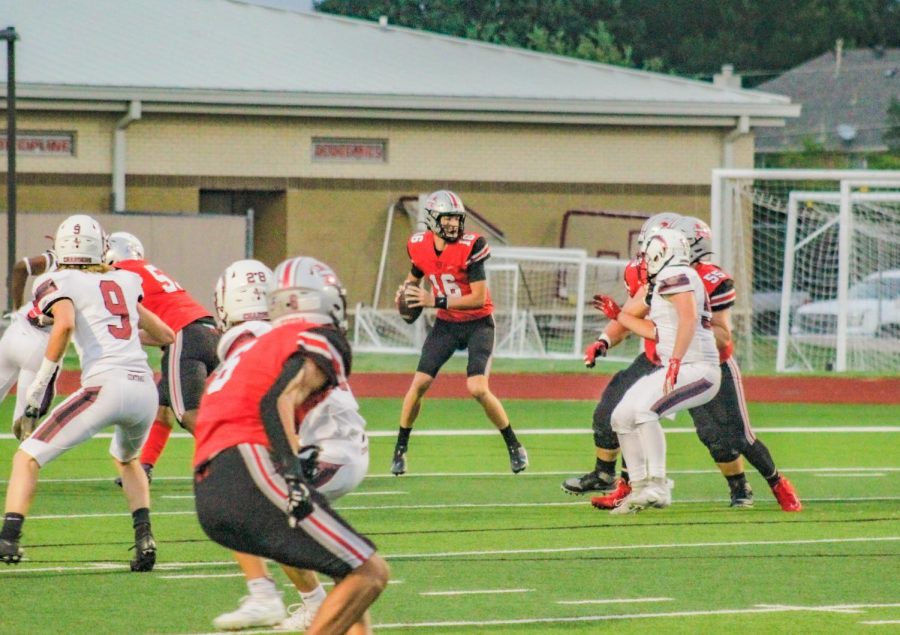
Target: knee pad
[[604, 437], [719, 447]]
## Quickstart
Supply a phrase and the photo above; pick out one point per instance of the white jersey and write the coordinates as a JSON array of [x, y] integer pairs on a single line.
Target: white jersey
[[336, 418], [238, 335], [682, 279], [106, 317]]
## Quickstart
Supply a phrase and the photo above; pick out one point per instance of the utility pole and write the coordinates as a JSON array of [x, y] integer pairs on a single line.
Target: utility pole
[[9, 34]]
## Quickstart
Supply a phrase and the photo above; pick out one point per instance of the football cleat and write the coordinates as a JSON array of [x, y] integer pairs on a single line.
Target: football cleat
[[253, 611], [398, 464], [622, 489], [742, 497], [786, 495], [654, 492], [148, 470], [299, 618], [590, 482], [10, 551], [144, 550], [518, 459]]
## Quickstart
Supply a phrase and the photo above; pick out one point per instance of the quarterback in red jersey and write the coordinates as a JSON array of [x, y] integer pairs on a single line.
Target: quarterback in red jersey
[[186, 363], [723, 424], [453, 263], [246, 444], [602, 479]]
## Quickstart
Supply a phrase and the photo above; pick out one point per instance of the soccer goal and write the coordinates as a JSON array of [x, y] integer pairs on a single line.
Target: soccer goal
[[542, 306], [816, 260]]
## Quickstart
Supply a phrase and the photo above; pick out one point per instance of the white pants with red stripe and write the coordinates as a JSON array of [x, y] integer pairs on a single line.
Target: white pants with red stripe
[[21, 353], [120, 398]]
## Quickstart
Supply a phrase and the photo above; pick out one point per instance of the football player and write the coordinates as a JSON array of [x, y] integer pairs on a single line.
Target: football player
[[334, 428], [689, 374], [453, 262], [188, 361], [602, 479], [24, 341], [101, 311], [723, 424], [246, 447]]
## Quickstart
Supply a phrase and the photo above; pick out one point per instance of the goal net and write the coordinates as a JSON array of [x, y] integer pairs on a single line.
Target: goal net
[[816, 260]]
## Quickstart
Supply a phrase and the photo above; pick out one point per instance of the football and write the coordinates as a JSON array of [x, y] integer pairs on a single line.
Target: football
[[408, 313]]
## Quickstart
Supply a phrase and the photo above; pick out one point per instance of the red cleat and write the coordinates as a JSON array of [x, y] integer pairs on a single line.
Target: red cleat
[[612, 499], [786, 495]]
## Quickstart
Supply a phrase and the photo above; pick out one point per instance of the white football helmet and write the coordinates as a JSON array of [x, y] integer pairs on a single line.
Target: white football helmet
[[444, 203], [666, 247], [651, 225], [698, 234], [242, 293], [122, 246], [79, 241], [309, 289]]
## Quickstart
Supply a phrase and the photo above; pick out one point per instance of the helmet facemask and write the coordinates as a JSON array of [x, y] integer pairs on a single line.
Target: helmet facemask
[[698, 235], [442, 205], [663, 248]]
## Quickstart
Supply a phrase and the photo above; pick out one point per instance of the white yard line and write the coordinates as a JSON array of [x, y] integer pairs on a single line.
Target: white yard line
[[880, 622], [476, 592], [394, 493], [614, 601], [852, 475]]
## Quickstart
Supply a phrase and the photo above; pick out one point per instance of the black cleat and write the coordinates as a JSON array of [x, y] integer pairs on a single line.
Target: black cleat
[[742, 497], [144, 550], [148, 470], [398, 464], [591, 482], [518, 459], [10, 551]]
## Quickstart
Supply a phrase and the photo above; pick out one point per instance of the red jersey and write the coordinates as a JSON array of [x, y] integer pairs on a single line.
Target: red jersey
[[230, 409], [720, 289], [163, 296], [448, 271], [635, 277]]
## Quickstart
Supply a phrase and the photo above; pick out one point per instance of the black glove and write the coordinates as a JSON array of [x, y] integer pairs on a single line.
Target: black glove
[[299, 504], [309, 461]]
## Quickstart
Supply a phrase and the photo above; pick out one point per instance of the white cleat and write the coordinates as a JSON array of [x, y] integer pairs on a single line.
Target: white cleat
[[654, 492], [253, 611], [300, 617]]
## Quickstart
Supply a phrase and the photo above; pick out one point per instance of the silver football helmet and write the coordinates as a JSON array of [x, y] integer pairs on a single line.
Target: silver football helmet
[[666, 247], [310, 289], [652, 224], [79, 241], [242, 293], [123, 246], [698, 234], [444, 203]]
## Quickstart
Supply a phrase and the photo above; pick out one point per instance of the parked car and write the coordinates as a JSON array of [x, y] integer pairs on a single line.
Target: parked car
[[767, 309], [873, 309]]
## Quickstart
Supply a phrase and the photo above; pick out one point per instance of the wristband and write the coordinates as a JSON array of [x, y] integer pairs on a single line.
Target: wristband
[[605, 338], [440, 302]]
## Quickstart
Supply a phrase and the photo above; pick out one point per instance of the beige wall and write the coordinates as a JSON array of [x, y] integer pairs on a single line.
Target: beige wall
[[523, 178]]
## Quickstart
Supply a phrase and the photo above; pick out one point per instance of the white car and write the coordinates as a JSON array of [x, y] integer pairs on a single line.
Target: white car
[[873, 309]]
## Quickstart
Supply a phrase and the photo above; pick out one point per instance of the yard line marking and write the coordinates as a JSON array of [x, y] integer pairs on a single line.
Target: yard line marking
[[201, 576], [507, 473], [828, 609], [585, 431], [395, 493], [476, 592], [614, 601], [685, 545], [880, 622], [176, 566], [851, 475], [569, 503]]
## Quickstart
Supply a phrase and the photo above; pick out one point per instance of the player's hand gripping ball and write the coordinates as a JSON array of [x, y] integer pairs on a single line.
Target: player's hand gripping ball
[[408, 313]]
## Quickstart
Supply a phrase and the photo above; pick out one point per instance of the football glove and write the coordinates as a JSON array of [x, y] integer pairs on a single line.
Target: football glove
[[671, 375], [299, 504], [607, 305], [309, 461], [595, 350], [25, 425]]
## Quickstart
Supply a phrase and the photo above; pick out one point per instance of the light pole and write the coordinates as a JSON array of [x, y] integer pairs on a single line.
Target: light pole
[[9, 34]]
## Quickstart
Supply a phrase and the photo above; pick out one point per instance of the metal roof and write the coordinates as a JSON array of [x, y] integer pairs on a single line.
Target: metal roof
[[219, 52], [850, 97]]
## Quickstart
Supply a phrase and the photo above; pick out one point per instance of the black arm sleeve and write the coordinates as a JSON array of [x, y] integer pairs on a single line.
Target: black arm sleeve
[[416, 272], [476, 271], [286, 462]]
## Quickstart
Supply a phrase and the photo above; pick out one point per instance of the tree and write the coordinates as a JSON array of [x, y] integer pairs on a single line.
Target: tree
[[892, 136]]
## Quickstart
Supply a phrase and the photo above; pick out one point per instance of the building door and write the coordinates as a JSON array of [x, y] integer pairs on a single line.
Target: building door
[[269, 218]]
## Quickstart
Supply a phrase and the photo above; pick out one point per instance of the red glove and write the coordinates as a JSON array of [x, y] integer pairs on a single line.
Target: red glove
[[671, 375], [607, 305], [595, 350]]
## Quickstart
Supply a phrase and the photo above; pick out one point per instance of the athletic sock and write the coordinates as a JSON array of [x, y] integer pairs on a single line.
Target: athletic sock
[[156, 442], [736, 481], [262, 587], [140, 516], [402, 439], [12, 526], [605, 467], [510, 437], [759, 457], [313, 600]]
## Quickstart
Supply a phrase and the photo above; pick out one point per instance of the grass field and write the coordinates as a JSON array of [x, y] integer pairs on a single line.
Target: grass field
[[474, 549]]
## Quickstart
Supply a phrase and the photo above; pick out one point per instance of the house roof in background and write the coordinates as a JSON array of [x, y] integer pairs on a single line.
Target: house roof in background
[[229, 52], [850, 97]]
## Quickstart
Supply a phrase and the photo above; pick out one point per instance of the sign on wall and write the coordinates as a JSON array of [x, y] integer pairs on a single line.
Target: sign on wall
[[42, 144], [349, 150]]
